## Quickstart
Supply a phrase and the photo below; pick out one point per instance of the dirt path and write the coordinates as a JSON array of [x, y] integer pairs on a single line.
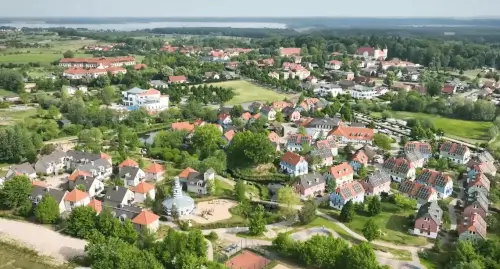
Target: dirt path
[[43, 240]]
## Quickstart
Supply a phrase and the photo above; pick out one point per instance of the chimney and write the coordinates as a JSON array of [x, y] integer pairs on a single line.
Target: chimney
[[92, 163], [308, 182], [120, 205], [115, 188]]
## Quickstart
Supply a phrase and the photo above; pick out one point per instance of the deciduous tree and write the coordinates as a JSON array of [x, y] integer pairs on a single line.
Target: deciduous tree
[[47, 211], [15, 192], [371, 230], [374, 207], [308, 212], [257, 225], [347, 212]]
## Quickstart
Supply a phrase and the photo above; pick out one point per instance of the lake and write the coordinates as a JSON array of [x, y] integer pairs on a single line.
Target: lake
[[137, 26]]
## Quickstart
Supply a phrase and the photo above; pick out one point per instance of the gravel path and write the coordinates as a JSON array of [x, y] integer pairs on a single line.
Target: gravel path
[[43, 240]]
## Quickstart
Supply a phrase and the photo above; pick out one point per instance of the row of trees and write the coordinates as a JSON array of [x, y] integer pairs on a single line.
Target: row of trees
[[456, 107], [11, 80]]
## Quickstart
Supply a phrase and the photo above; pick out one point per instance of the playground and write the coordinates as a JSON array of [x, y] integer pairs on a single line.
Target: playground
[[213, 211]]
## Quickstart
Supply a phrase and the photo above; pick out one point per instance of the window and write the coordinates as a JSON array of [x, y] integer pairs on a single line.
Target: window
[[422, 225]]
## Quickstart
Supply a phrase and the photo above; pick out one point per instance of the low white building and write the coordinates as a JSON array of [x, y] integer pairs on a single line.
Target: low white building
[[152, 100], [329, 89], [361, 92]]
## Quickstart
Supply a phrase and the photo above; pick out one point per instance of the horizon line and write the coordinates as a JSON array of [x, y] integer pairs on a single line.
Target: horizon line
[[477, 17]]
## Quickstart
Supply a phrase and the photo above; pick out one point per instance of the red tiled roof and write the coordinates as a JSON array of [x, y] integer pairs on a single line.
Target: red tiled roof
[[149, 92], [360, 157], [352, 133], [473, 223], [185, 173], [140, 66], [229, 135], [128, 162], [105, 156], [76, 195], [155, 168], [39, 183], [143, 187], [273, 137], [182, 126], [291, 158], [177, 78], [290, 51], [146, 217], [77, 173], [223, 116], [341, 170], [98, 60], [96, 205]]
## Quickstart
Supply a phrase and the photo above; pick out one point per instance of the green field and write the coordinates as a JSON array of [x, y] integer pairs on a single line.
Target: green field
[[248, 92], [469, 131], [9, 117], [40, 57]]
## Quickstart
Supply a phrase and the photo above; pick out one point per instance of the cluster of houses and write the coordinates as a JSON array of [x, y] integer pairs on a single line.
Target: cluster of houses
[[78, 68], [85, 184]]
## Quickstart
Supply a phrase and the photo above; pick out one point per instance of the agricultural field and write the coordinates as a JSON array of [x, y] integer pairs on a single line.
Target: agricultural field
[[469, 131], [10, 116], [247, 92]]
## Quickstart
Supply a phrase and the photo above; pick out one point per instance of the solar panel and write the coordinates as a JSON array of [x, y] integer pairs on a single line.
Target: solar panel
[[357, 188]]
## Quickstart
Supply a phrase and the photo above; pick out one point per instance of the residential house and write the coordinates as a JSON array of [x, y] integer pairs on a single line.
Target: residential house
[[352, 191], [441, 182], [158, 84], [195, 181], [422, 193], [310, 185], [333, 64], [472, 228], [228, 136], [289, 51], [291, 114], [76, 158], [128, 163], [316, 125], [482, 163], [363, 92], [428, 220], [119, 194], [146, 219], [273, 137], [255, 107], [92, 186], [457, 153], [342, 174], [371, 52], [449, 89], [131, 175], [76, 198], [296, 142], [294, 164], [280, 105], [224, 119], [358, 159], [100, 168], [476, 202], [377, 183], [328, 90], [23, 169], [478, 183], [177, 79], [51, 164], [155, 172], [151, 100], [356, 135], [37, 193], [310, 104], [268, 112], [423, 148], [323, 153], [143, 190], [247, 117], [416, 159], [399, 169]]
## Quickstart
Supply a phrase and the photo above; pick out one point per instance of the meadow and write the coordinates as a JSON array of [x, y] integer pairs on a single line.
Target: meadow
[[247, 92], [469, 131]]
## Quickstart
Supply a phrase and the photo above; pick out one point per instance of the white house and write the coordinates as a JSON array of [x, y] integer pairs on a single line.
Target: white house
[[152, 100], [76, 198], [327, 90], [333, 64], [132, 175], [362, 92], [143, 190]]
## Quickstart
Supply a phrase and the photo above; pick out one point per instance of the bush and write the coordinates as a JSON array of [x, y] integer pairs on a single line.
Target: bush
[[212, 236]]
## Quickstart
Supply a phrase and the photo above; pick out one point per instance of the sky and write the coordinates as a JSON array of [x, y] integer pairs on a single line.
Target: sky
[[250, 8]]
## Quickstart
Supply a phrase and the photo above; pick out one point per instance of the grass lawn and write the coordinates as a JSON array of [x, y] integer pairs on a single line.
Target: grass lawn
[[9, 117], [42, 58], [472, 131], [248, 92]]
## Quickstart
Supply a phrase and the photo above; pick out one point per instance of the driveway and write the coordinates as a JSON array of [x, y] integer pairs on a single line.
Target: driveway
[[57, 181]]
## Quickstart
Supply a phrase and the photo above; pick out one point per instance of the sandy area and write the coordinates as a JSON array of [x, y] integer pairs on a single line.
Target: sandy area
[[281, 266], [43, 240], [220, 211]]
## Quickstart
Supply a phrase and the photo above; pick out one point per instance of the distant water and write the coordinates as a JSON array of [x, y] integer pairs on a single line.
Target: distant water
[[137, 26]]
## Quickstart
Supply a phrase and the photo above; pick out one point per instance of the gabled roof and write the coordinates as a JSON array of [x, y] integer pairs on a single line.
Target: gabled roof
[[143, 187], [432, 211], [360, 157], [378, 178], [129, 162], [454, 148], [96, 205], [473, 223], [185, 173], [478, 198], [311, 180], [177, 78], [76, 195], [480, 180], [182, 126], [433, 178], [229, 135], [155, 168], [397, 165], [352, 133], [40, 191], [115, 193], [416, 190], [299, 139], [146, 217], [341, 170], [292, 158], [350, 190], [78, 173]]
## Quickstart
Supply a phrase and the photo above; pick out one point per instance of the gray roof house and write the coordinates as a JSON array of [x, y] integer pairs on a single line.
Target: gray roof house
[[21, 169], [131, 175], [100, 168], [38, 192], [158, 84], [122, 211], [52, 163], [119, 194]]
